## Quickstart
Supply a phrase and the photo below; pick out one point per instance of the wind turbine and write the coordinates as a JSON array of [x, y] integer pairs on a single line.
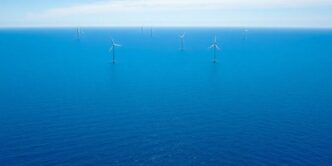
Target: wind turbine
[[112, 50], [151, 32], [182, 41], [78, 33], [245, 33], [215, 48]]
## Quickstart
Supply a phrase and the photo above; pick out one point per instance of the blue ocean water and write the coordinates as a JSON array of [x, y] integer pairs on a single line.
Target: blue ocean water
[[268, 100]]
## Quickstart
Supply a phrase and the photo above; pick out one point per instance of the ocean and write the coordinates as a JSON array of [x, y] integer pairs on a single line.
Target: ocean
[[267, 101]]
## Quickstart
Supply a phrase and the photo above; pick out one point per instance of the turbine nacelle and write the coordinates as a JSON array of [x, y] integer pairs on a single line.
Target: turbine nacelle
[[114, 45], [215, 44], [182, 36]]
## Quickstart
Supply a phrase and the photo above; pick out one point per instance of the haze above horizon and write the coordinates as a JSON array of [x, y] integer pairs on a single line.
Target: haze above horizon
[[246, 13]]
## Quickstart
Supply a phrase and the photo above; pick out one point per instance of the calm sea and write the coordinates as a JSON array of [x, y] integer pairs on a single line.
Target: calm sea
[[268, 100]]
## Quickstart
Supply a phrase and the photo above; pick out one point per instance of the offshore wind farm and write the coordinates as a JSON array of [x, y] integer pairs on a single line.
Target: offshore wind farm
[[166, 82], [159, 105]]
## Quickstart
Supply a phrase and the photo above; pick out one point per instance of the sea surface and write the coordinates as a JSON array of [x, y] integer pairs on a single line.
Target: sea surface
[[268, 100]]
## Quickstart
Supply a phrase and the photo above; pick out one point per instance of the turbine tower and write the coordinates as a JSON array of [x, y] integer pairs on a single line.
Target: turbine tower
[[182, 41], [112, 50], [78, 33], [215, 47], [245, 34]]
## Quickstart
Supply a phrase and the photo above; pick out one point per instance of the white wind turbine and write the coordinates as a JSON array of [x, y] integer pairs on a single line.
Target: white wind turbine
[[112, 50], [78, 33], [215, 47], [182, 41], [245, 34]]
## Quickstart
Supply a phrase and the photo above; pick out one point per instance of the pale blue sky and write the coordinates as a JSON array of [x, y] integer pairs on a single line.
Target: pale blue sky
[[248, 13]]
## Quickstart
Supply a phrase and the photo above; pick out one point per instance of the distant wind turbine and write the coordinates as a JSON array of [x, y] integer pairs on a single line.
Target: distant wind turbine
[[78, 33], [112, 50], [245, 33], [182, 41], [215, 47], [151, 32]]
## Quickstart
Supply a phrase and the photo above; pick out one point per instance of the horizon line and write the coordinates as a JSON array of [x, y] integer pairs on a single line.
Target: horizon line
[[164, 26]]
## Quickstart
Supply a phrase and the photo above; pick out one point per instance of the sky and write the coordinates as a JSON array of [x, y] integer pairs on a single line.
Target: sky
[[206, 13]]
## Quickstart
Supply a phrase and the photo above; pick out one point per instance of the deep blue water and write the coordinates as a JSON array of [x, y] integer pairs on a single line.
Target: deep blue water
[[268, 100]]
